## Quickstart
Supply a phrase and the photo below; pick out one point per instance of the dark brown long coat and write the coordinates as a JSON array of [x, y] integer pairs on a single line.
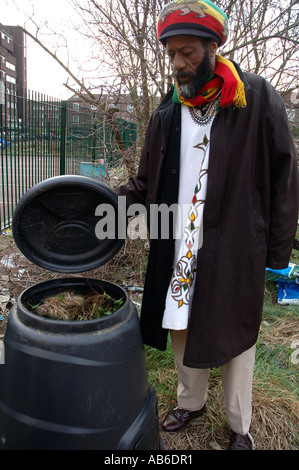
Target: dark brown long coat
[[250, 220]]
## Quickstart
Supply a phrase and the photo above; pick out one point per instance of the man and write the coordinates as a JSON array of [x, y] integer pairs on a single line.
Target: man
[[219, 143]]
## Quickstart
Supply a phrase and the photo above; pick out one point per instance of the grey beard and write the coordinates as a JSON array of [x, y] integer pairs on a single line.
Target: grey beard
[[187, 90], [198, 79]]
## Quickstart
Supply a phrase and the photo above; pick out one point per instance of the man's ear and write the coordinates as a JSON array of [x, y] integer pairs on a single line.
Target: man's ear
[[213, 46]]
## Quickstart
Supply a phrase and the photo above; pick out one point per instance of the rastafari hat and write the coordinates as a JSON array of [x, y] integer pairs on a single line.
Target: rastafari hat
[[192, 17]]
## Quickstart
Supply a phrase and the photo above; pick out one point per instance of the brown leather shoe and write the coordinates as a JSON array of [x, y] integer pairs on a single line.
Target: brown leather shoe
[[177, 419], [240, 442]]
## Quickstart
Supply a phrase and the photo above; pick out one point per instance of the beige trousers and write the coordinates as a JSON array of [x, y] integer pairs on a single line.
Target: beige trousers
[[236, 378]]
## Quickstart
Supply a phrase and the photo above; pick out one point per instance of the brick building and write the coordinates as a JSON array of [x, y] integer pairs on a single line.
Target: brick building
[[13, 74]]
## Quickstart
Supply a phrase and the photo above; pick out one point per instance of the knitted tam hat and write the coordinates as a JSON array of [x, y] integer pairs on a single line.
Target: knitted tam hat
[[193, 17]]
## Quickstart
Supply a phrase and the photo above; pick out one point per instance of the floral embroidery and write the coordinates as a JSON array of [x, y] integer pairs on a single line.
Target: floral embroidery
[[185, 268]]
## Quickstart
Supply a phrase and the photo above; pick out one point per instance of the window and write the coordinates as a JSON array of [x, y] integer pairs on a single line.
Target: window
[[76, 106], [10, 66], [11, 91], [10, 79], [75, 119], [6, 37]]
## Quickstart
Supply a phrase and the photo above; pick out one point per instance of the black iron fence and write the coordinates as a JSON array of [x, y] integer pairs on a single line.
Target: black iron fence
[[41, 137]]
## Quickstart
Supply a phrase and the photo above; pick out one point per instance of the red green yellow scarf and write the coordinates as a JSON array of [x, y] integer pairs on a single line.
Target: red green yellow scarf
[[226, 79]]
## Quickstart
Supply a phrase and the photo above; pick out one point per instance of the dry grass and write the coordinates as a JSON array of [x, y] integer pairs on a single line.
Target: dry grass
[[274, 420], [70, 306], [283, 331], [275, 417]]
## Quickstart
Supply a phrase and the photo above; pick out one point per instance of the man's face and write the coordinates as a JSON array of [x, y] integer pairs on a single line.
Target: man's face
[[191, 60]]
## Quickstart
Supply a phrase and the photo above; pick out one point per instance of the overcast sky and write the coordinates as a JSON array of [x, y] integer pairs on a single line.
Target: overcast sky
[[43, 73]]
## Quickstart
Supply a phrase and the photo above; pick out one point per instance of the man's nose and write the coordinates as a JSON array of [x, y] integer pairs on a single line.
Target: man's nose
[[178, 62]]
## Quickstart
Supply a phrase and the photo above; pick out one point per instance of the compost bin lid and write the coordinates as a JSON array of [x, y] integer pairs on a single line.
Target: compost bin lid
[[60, 224]]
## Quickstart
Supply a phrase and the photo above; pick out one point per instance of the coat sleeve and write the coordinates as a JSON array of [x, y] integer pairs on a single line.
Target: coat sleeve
[[284, 187]]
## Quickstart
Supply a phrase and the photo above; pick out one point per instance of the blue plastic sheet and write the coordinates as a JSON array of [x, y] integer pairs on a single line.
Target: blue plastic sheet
[[287, 281]]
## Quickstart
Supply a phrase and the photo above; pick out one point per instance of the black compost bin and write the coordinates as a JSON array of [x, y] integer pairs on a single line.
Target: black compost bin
[[73, 384]]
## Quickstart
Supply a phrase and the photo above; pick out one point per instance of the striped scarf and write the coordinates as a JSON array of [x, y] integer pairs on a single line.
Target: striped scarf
[[226, 79]]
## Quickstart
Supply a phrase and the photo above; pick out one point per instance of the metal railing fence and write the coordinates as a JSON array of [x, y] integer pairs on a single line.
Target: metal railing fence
[[41, 137], [30, 126]]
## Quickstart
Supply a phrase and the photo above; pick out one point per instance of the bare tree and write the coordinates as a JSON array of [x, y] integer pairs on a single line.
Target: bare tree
[[124, 33], [264, 39], [128, 60]]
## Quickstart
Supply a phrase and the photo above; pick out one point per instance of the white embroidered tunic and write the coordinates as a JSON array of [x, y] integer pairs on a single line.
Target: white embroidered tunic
[[194, 160]]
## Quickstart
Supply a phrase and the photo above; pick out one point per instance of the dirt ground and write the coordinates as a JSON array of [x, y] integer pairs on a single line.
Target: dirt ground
[[9, 278]]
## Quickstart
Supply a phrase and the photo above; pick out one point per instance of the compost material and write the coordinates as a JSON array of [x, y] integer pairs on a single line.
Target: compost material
[[71, 306]]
